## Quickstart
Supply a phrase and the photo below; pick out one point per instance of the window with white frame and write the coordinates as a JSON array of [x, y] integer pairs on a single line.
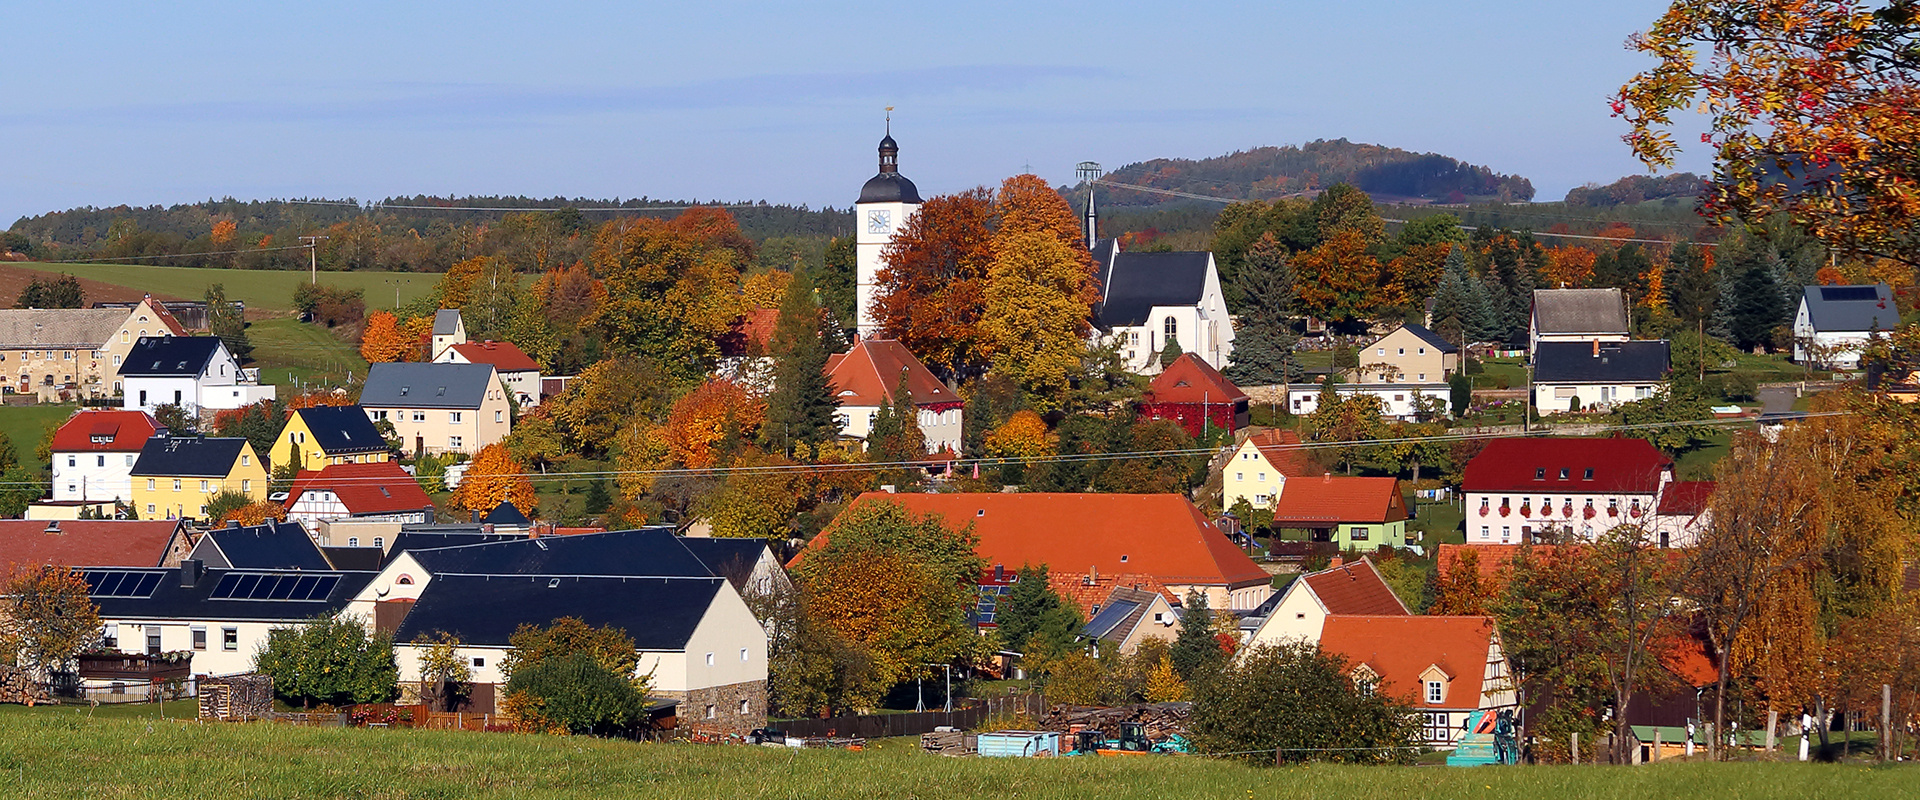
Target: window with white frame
[[453, 417], [1436, 691]]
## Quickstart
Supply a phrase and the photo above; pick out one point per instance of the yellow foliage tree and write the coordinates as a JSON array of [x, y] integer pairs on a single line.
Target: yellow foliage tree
[[456, 286], [641, 448], [765, 289], [256, 513], [1038, 295], [1163, 684], [758, 500], [495, 477], [1023, 436], [701, 423]]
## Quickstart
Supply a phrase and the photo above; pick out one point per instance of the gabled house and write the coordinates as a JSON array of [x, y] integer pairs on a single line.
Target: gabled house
[[1596, 375], [378, 490], [865, 378], [438, 408], [1518, 490], [517, 370], [322, 436], [274, 545], [65, 353], [195, 373], [448, 330], [94, 451], [1191, 392], [1347, 588], [1577, 315], [748, 563], [1684, 513], [417, 559], [175, 476], [1406, 354], [1159, 535], [222, 617], [1259, 468], [1148, 299], [25, 544], [1399, 401], [1128, 617], [1446, 668], [1354, 513], [1834, 323]]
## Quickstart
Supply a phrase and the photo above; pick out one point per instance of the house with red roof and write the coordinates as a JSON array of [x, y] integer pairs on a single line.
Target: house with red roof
[[377, 491], [517, 370], [1355, 513], [865, 378], [1352, 588], [1163, 536], [1259, 468], [744, 350], [1684, 513], [1446, 668], [94, 451], [1190, 391], [1520, 490], [26, 544]]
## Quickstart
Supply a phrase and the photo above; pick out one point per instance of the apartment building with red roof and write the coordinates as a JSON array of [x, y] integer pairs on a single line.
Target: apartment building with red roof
[[1445, 668], [1350, 588], [94, 452], [1519, 490], [377, 491], [865, 378], [1163, 536], [518, 371], [1191, 392], [25, 544]]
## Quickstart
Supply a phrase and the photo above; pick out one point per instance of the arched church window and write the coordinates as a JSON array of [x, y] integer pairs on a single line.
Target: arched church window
[[1172, 328]]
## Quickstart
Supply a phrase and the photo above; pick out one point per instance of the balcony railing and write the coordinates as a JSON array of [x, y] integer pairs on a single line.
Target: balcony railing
[[135, 666]]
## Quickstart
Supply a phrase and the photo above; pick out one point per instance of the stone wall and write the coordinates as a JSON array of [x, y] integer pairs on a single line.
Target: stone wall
[[725, 700]]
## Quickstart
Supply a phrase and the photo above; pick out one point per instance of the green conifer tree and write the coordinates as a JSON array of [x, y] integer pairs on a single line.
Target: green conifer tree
[[801, 409]]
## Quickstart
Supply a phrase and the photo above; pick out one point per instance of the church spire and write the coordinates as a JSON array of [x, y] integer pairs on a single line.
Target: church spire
[[889, 150]]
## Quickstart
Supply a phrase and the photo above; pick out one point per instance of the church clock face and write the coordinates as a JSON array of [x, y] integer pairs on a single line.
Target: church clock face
[[879, 221]]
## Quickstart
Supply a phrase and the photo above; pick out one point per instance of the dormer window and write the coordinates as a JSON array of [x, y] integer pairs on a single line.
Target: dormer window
[[1436, 692], [1589, 474], [1540, 473], [1564, 472]]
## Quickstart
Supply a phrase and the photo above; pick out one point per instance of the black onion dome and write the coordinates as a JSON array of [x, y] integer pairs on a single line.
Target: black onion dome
[[889, 187]]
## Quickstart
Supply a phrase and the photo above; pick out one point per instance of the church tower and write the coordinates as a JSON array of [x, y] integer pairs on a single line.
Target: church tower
[[885, 203]]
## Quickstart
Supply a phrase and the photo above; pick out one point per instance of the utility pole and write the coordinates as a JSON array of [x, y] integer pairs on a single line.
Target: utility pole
[[313, 256]]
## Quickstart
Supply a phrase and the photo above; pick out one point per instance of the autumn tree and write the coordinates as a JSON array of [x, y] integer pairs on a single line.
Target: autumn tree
[[606, 397], [1346, 422], [1460, 590], [384, 340], [457, 283], [495, 477], [800, 411], [931, 289], [758, 498], [1811, 113], [445, 677], [672, 287], [255, 513], [1023, 437], [1569, 267], [1339, 280], [49, 618], [710, 425]]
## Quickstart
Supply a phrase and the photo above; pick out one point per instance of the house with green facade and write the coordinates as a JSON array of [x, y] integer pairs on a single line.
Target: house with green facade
[[1354, 513]]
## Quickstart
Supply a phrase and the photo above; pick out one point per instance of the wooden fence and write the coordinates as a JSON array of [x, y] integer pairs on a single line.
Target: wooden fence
[[877, 726]]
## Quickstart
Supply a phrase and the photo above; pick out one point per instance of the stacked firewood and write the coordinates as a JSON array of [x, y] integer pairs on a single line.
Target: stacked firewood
[[16, 686], [1161, 719], [950, 743]]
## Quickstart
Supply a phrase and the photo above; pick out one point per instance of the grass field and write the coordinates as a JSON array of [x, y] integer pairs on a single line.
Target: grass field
[[262, 290], [24, 425], [62, 753], [290, 352]]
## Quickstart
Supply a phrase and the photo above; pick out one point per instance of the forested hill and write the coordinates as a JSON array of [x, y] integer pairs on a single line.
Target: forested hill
[[1262, 173]]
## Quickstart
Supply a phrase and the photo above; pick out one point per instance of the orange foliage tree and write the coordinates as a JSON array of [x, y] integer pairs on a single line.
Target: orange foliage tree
[[1569, 267], [1339, 280], [931, 290], [495, 477], [383, 340], [256, 513], [703, 423], [1024, 436], [456, 286]]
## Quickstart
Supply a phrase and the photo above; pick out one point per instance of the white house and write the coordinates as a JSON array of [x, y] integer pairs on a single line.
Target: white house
[[448, 330], [1596, 375], [1343, 588], [1577, 315], [1518, 490], [1684, 514], [379, 490], [865, 378], [517, 370], [195, 373], [1147, 299], [1397, 400], [1834, 323], [94, 452], [886, 202]]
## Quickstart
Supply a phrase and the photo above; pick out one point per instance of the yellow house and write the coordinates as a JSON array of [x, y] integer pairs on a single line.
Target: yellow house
[[175, 476], [1407, 354], [1259, 469], [327, 435]]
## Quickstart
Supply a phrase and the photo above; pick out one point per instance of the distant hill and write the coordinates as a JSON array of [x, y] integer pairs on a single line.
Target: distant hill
[[1388, 173], [1636, 189]]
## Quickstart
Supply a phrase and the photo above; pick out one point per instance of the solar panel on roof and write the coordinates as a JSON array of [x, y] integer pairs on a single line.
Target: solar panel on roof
[[303, 588], [224, 589], [149, 581], [244, 589], [122, 583], [324, 588], [1843, 293], [281, 589], [109, 583]]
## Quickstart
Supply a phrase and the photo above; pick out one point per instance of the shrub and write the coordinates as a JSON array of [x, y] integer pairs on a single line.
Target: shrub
[[330, 661], [577, 693], [1295, 696]]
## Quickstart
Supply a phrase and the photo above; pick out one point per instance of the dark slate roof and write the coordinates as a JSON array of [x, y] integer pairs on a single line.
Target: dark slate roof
[[353, 558], [644, 552], [445, 321], [188, 456], [506, 514], [342, 429], [889, 187], [1134, 283], [1851, 308], [284, 545], [418, 385], [409, 540], [659, 613], [1564, 311], [1431, 338], [733, 559], [177, 356], [169, 600], [1617, 362]]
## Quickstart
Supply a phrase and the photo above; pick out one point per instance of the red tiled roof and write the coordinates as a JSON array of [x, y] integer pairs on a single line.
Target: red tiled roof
[[1536, 465], [125, 431], [1190, 380], [1078, 590], [1399, 648], [1490, 557], [84, 543], [1355, 588], [1329, 499], [376, 488], [1282, 448], [504, 356], [1685, 655], [867, 374], [1161, 535], [1685, 498]]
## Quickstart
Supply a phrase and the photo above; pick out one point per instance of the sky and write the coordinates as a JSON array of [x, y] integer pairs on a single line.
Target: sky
[[162, 103]]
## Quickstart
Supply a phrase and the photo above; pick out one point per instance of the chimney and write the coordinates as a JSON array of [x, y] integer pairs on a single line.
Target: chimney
[[1335, 562], [1093, 574], [476, 516], [190, 571], [999, 573], [1596, 348]]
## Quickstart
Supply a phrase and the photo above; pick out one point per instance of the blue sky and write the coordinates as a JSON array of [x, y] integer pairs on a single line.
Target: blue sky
[[165, 103]]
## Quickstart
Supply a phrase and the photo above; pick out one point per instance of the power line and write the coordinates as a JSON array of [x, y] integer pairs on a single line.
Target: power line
[[178, 255], [616, 210]]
